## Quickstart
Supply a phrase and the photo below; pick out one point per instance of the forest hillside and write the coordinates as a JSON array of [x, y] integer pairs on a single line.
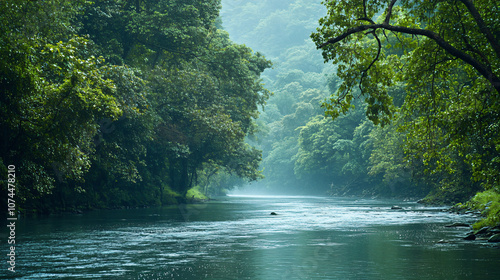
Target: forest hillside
[[401, 106]]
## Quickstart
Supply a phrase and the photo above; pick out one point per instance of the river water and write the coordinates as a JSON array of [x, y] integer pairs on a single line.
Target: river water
[[237, 238]]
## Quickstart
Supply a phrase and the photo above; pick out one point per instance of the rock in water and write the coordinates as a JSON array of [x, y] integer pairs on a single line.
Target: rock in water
[[483, 230], [494, 238], [273, 213], [458, 225], [470, 236], [395, 207]]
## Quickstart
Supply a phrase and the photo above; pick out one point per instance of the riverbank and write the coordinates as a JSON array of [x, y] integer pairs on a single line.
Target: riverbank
[[486, 205], [169, 197]]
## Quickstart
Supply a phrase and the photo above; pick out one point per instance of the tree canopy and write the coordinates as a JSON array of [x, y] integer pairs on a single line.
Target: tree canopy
[[446, 55], [435, 114], [123, 103]]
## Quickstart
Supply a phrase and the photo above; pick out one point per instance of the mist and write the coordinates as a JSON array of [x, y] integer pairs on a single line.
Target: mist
[[300, 82]]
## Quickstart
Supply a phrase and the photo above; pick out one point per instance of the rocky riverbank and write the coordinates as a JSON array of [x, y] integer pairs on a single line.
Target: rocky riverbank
[[480, 231], [486, 234]]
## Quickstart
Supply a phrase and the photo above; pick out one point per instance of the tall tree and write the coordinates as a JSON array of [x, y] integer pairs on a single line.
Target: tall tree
[[111, 103], [449, 58], [53, 94], [204, 90]]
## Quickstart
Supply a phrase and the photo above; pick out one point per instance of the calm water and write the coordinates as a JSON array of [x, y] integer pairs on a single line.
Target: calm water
[[236, 238]]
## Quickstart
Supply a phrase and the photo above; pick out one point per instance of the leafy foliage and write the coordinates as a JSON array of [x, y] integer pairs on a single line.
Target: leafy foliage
[[302, 151], [488, 202], [446, 54], [117, 103], [431, 106]]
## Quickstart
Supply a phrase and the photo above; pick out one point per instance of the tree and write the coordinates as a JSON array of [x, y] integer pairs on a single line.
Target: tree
[[438, 21], [336, 152], [204, 90], [116, 103], [447, 55], [53, 94], [147, 33]]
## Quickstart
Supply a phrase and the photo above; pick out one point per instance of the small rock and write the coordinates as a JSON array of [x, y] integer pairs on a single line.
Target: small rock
[[470, 236], [442, 241], [494, 238], [395, 207], [483, 230], [458, 225], [274, 213]]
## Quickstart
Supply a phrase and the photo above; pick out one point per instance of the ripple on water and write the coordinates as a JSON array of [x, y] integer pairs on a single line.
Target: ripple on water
[[243, 236]]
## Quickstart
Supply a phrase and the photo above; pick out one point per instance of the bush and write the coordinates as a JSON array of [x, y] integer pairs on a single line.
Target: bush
[[488, 202], [195, 193]]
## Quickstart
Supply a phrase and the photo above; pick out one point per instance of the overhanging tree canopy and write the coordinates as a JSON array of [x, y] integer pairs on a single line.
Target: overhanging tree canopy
[[445, 53], [465, 30]]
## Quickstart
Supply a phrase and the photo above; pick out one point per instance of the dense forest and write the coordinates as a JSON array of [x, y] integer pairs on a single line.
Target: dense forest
[[406, 114], [136, 103], [123, 103]]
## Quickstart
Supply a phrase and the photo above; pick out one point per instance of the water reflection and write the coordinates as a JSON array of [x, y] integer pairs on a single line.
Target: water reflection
[[236, 238]]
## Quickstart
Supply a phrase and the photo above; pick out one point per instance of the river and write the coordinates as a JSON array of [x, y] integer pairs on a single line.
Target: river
[[236, 238]]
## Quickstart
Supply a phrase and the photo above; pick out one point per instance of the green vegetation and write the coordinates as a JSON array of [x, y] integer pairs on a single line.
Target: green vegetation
[[304, 152], [414, 101], [488, 202], [123, 103], [446, 56], [196, 194], [131, 103]]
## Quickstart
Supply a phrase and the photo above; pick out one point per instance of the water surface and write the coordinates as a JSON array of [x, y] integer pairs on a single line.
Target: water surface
[[237, 238]]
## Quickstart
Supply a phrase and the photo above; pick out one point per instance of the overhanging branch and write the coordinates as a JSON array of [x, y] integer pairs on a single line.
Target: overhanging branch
[[482, 69], [374, 60], [482, 26], [389, 12]]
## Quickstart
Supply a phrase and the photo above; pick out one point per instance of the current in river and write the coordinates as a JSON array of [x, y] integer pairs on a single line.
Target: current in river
[[235, 237]]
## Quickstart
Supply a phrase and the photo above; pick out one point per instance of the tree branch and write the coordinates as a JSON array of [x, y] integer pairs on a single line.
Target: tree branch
[[374, 60], [482, 69], [389, 12], [482, 26], [466, 41], [366, 19], [364, 9], [349, 33]]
